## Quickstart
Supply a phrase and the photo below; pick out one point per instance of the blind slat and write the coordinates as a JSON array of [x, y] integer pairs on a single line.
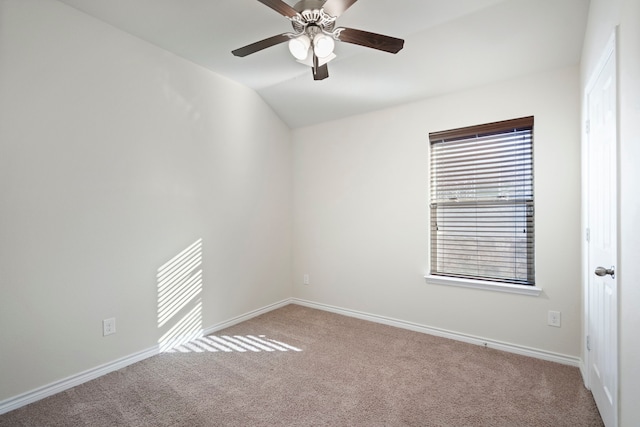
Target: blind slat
[[482, 223]]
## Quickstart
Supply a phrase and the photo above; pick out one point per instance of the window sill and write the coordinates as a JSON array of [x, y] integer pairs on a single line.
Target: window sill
[[487, 286]]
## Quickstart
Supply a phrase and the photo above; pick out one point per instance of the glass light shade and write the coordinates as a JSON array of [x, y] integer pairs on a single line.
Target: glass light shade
[[323, 45], [321, 61], [299, 47]]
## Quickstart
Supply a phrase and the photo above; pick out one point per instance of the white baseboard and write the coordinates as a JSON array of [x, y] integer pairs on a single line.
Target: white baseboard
[[91, 374], [74, 380], [227, 323], [498, 345]]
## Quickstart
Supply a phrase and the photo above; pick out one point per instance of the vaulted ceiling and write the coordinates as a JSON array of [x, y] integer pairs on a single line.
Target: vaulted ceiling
[[450, 45]]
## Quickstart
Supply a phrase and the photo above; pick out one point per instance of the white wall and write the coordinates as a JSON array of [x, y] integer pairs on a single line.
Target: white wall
[[114, 156], [604, 16], [361, 214]]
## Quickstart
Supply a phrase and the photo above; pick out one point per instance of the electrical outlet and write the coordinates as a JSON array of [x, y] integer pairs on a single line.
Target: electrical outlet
[[306, 279], [553, 318], [108, 326]]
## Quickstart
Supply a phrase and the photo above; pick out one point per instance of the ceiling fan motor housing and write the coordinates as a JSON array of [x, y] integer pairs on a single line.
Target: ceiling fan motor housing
[[308, 5], [312, 15]]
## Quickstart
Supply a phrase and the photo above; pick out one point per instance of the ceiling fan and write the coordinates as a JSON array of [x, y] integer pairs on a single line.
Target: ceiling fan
[[313, 41]]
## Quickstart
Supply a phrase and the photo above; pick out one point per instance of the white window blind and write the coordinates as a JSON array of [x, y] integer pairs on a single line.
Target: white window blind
[[482, 206]]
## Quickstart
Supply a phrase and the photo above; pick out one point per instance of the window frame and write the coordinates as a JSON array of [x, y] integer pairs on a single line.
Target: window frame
[[486, 283]]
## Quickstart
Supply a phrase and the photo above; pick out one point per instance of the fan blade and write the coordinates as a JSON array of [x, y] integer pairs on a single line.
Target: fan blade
[[336, 8], [372, 40], [320, 72], [262, 44], [281, 7]]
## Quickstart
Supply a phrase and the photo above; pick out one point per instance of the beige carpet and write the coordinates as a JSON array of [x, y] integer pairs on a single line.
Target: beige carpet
[[349, 372]]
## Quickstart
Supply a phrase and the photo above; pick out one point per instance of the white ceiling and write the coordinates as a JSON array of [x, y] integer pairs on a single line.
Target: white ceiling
[[450, 45]]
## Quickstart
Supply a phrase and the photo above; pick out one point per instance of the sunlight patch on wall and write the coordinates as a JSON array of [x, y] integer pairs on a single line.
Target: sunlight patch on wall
[[228, 344], [179, 301]]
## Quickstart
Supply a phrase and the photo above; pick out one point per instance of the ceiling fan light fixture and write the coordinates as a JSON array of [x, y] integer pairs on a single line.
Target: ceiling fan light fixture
[[314, 27], [323, 45], [299, 47]]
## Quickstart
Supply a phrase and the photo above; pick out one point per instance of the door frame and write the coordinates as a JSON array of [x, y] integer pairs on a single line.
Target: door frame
[[609, 51]]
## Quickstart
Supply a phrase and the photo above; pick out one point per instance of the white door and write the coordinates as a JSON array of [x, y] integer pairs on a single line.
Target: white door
[[602, 313]]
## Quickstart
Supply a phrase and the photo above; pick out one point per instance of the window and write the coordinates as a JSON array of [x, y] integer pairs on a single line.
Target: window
[[482, 207]]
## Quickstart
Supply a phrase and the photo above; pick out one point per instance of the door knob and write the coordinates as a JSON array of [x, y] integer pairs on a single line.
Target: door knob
[[601, 271]]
